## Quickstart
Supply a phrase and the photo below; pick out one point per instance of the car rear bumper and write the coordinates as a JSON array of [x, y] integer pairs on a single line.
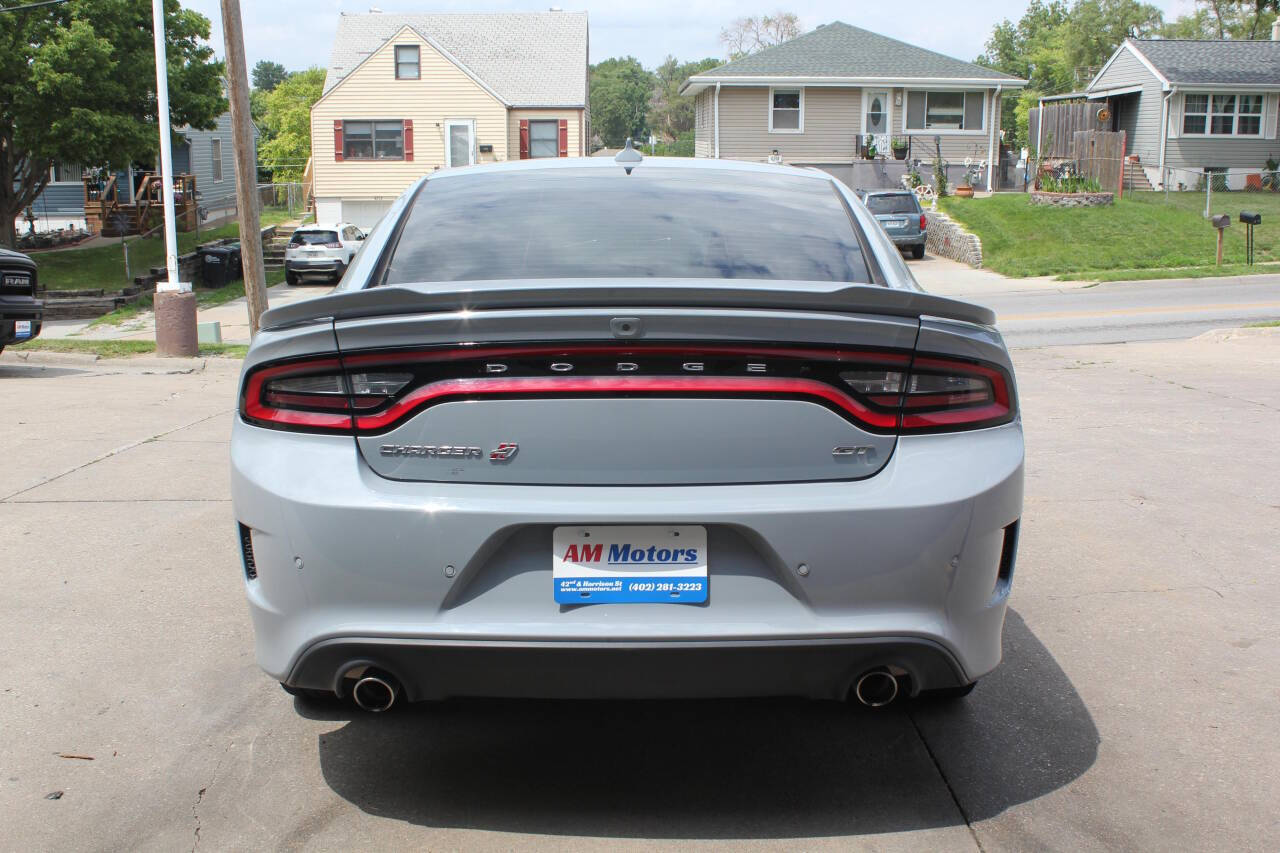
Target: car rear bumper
[[909, 239], [438, 669], [16, 310], [317, 266], [449, 587]]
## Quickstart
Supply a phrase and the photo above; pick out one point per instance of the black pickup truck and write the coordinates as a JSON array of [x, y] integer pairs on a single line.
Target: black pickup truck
[[20, 312]]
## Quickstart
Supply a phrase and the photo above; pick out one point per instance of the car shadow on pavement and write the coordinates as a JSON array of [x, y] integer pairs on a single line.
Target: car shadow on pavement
[[717, 769], [37, 371]]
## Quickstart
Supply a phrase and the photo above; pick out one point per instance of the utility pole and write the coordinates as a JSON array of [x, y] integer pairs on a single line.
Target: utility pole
[[255, 274], [175, 304]]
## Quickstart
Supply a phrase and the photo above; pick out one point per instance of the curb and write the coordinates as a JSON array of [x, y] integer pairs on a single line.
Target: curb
[[146, 364]]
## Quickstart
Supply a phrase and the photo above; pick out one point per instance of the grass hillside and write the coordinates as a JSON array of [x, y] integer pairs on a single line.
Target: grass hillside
[[1140, 234]]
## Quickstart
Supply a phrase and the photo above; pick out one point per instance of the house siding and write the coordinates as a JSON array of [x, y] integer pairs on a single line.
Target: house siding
[[704, 123], [371, 91], [572, 116], [1245, 153], [1143, 123], [832, 127], [213, 194]]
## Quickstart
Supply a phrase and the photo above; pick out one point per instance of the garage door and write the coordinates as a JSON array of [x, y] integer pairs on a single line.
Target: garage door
[[364, 213]]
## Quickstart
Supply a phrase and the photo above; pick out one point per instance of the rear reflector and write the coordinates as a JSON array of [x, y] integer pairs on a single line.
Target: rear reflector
[[879, 391]]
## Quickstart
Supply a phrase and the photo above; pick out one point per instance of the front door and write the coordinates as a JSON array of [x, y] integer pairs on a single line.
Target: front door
[[877, 113], [460, 142]]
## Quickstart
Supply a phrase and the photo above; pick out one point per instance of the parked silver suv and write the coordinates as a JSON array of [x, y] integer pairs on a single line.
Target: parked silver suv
[[321, 250], [659, 427]]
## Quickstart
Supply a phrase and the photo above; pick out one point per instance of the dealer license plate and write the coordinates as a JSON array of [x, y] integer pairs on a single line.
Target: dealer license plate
[[608, 564], [22, 328]]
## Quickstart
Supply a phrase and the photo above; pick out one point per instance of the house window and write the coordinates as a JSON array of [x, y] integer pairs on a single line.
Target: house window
[[786, 111], [373, 140], [64, 174], [946, 111], [544, 139], [1222, 115], [407, 62], [217, 158]]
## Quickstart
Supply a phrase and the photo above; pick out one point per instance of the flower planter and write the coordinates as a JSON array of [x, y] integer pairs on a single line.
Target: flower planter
[[964, 191], [1098, 199], [899, 153], [868, 155]]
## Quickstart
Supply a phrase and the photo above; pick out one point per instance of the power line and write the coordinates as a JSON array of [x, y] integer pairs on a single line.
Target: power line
[[31, 6]]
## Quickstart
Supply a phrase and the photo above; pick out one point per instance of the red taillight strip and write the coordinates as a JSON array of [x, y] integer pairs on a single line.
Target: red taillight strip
[[693, 350], [1000, 409], [538, 385], [253, 407]]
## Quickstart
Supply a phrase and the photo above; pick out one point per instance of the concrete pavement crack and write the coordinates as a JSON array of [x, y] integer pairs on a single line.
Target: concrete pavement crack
[[955, 798], [114, 452], [1136, 592], [195, 813], [1204, 390]]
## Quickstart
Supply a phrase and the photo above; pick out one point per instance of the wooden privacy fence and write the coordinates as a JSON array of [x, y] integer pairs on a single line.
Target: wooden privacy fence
[[1099, 154], [1061, 121]]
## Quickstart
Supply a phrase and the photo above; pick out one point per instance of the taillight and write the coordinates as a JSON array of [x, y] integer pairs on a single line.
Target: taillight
[[949, 394], [333, 245], [924, 222], [879, 391]]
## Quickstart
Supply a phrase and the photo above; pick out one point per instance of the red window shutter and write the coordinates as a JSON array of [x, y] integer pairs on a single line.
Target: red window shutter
[[337, 140], [408, 139], [564, 137], [524, 139]]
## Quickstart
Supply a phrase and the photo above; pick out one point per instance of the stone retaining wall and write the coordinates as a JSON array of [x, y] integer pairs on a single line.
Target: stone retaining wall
[[1072, 199], [947, 239]]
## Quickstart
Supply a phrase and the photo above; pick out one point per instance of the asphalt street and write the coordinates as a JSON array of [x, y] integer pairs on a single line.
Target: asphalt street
[[1041, 312], [1137, 706]]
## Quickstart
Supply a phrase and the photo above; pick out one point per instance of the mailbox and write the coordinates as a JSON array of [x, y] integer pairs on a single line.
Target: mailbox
[[1223, 220], [1248, 217]]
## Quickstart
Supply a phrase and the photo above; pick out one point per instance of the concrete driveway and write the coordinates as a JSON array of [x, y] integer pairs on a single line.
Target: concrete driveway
[[1137, 706]]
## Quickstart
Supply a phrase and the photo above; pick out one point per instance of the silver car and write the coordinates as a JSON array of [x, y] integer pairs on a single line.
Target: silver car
[[650, 428]]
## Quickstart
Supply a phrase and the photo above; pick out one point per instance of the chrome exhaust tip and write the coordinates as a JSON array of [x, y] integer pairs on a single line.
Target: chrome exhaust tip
[[375, 693], [876, 689]]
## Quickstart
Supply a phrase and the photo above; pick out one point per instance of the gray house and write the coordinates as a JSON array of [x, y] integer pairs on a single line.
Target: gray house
[[1192, 108], [813, 100], [207, 154]]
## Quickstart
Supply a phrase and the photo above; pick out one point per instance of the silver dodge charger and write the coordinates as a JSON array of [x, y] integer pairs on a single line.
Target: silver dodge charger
[[628, 428]]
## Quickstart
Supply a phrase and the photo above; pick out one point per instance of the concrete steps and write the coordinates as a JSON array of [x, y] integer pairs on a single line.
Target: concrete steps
[[1135, 178]]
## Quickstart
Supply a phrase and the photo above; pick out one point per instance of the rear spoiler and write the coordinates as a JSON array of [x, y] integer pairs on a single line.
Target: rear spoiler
[[625, 293]]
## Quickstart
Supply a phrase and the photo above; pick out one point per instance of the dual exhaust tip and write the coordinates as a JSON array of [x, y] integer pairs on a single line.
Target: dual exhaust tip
[[876, 688], [375, 691]]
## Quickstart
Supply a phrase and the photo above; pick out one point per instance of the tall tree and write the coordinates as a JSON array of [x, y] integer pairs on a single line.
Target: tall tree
[[267, 75], [1223, 19], [77, 85], [751, 33], [670, 113], [286, 124], [620, 89]]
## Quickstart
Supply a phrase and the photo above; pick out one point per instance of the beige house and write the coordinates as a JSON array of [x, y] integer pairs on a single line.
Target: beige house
[[408, 94], [812, 101]]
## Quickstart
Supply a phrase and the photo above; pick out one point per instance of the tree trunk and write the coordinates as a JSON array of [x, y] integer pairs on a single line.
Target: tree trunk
[[20, 183]]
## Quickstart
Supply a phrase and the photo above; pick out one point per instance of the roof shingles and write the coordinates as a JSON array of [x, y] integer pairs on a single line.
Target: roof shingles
[[526, 58], [1192, 62], [841, 50]]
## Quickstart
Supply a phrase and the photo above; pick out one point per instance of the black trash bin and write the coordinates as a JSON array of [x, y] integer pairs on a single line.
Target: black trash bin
[[214, 264], [235, 265]]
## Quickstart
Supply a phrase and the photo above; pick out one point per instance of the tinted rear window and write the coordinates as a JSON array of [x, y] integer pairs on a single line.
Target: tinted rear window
[[313, 238], [603, 223], [899, 203]]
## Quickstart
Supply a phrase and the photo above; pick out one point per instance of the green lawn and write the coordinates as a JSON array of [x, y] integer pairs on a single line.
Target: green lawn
[[103, 266], [121, 349], [1140, 234], [204, 299]]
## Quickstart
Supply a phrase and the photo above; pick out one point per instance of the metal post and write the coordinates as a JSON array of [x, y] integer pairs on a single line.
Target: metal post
[[1208, 194], [166, 152], [175, 304]]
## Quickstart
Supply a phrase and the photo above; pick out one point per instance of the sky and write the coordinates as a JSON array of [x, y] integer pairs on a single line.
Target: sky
[[299, 33]]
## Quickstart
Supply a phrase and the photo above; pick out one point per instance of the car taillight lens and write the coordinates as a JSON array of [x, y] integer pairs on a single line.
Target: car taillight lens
[[948, 394], [924, 222], [879, 391], [333, 245]]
